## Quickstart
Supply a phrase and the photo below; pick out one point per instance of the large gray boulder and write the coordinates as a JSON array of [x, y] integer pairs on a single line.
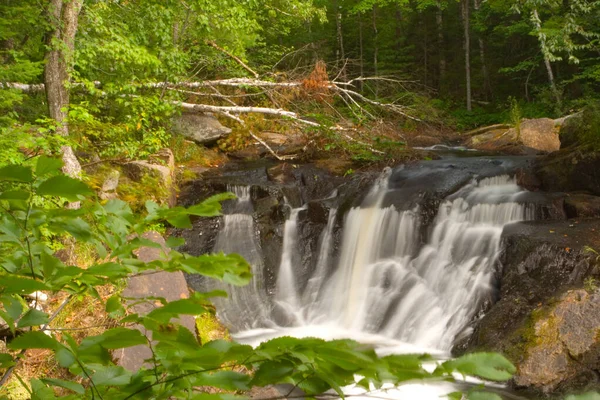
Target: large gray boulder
[[201, 128]]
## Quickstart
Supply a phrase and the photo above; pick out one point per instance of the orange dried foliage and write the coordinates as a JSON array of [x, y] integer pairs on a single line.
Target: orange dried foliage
[[317, 83]]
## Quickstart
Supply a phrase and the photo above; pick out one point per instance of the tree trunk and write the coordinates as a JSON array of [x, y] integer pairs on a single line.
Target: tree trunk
[[439, 19], [63, 18], [375, 48], [425, 49], [487, 86], [340, 38], [361, 49], [467, 44], [538, 28]]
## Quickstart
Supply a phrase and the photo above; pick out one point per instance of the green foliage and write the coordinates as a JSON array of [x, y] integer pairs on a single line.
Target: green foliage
[[587, 127], [515, 115], [180, 365]]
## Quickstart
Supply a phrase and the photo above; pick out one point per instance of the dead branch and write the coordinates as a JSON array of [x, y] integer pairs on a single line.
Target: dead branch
[[486, 129], [232, 56]]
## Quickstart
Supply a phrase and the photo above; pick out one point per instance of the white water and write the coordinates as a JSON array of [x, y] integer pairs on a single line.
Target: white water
[[246, 306], [387, 288]]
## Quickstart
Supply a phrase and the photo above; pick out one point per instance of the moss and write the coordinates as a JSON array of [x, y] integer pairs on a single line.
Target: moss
[[526, 336], [210, 328], [136, 194]]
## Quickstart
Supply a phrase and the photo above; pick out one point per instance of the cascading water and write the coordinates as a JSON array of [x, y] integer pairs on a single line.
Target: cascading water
[[387, 286], [384, 284], [247, 305]]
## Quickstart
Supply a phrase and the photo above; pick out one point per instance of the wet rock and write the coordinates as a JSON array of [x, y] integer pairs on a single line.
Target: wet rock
[[252, 152], [574, 169], [281, 173], [580, 205], [424, 141], [201, 128], [543, 261]]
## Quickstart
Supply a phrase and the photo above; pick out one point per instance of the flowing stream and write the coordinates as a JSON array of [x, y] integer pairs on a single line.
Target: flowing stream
[[385, 285]]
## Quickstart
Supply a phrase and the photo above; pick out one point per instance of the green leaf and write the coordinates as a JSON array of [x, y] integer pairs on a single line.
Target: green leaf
[[110, 270], [65, 357], [228, 380], [482, 395], [272, 372], [19, 285], [116, 338], [179, 221], [176, 308], [114, 306], [111, 376], [16, 173], [492, 366], [210, 207], [6, 360], [21, 195], [39, 391], [33, 317], [64, 186], [13, 307], [46, 165], [174, 242], [34, 340], [76, 387]]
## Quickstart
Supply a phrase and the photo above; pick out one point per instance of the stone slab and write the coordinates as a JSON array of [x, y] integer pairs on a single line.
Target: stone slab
[[170, 285]]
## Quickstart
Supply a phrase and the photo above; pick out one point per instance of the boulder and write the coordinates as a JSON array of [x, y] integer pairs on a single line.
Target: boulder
[[569, 127], [160, 165], [573, 169], [109, 187], [540, 134], [284, 145], [538, 318], [201, 128], [579, 205], [563, 344], [534, 136]]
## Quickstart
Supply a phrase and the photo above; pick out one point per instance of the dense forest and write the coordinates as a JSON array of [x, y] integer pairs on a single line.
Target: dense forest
[[94, 96]]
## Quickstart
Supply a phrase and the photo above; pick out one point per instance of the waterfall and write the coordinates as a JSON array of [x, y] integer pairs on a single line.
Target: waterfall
[[385, 281], [247, 306]]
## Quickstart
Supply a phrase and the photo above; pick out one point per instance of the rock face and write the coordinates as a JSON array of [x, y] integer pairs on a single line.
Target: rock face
[[564, 344], [201, 128], [570, 170], [538, 320], [534, 136]]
